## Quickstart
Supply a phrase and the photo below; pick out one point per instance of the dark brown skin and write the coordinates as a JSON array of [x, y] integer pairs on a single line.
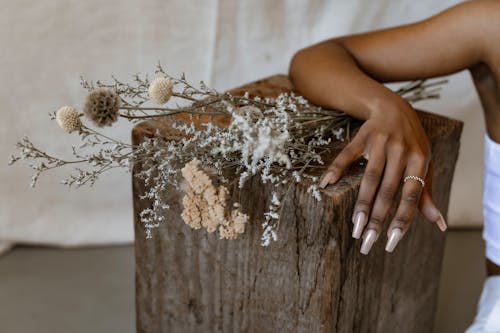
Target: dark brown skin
[[347, 73]]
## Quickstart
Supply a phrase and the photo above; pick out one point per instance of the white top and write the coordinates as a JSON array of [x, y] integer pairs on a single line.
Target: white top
[[491, 199]]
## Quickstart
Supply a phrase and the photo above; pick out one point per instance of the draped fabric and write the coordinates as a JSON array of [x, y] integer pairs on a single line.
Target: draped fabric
[[48, 45]]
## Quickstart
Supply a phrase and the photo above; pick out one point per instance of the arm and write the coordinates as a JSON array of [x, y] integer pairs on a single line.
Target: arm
[[446, 43], [345, 73]]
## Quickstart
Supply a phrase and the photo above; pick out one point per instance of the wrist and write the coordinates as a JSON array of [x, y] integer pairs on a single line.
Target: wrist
[[388, 106]]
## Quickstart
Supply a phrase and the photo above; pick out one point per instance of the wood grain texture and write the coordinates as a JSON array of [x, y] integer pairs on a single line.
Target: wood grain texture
[[313, 279]]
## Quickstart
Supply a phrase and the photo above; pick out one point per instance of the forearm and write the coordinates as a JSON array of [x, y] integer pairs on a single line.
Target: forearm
[[328, 75]]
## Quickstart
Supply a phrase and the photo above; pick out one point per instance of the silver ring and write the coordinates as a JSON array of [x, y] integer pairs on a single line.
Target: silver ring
[[422, 182]]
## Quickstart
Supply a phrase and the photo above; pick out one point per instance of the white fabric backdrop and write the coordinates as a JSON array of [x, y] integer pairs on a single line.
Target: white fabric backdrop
[[48, 45]]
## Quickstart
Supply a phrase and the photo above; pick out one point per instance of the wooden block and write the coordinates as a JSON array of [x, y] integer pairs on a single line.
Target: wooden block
[[313, 279]]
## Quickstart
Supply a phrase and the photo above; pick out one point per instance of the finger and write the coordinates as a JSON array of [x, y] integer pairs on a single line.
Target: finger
[[350, 153], [430, 211], [410, 198], [368, 187], [427, 206], [385, 194]]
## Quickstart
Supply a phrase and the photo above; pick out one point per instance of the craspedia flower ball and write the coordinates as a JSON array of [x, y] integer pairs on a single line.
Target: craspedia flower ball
[[102, 107], [160, 90], [68, 119]]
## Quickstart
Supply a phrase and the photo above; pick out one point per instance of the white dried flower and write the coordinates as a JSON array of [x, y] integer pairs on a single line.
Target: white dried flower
[[249, 111], [160, 90], [68, 119]]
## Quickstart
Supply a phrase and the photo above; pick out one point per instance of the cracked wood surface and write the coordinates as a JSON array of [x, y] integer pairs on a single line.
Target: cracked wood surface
[[313, 279]]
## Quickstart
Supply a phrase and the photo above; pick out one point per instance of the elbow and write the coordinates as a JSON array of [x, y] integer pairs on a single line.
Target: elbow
[[310, 60], [297, 64]]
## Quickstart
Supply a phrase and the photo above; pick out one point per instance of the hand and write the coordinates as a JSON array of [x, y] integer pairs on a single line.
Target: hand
[[396, 146]]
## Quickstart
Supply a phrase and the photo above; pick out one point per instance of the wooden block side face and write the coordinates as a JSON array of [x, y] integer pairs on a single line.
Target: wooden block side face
[[312, 280]]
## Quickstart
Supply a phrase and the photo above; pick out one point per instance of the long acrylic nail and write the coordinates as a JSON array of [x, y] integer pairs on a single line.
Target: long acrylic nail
[[325, 179], [394, 237], [441, 223], [368, 240], [359, 224]]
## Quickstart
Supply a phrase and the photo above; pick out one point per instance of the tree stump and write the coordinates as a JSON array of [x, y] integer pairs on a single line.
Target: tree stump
[[313, 279]]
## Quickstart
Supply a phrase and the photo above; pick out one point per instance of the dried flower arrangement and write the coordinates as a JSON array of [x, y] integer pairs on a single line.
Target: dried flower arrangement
[[277, 139]]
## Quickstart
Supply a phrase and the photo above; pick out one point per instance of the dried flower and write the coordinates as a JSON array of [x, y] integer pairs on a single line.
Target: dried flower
[[249, 111], [102, 107], [206, 206], [68, 119], [264, 134], [160, 90], [235, 225]]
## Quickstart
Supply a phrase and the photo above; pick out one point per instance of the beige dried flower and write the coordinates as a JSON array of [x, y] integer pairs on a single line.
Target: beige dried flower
[[206, 205], [102, 107], [160, 90], [235, 226], [68, 119]]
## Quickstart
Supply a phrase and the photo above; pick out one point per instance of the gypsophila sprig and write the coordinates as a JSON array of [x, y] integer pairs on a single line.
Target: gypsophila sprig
[[280, 140]]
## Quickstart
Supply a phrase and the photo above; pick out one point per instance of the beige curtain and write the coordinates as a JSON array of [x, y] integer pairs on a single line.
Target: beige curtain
[[48, 45]]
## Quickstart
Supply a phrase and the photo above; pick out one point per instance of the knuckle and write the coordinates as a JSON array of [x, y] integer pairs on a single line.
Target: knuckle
[[376, 220], [419, 157], [362, 205], [412, 198], [399, 148], [372, 175], [401, 220], [335, 167], [386, 194], [383, 137]]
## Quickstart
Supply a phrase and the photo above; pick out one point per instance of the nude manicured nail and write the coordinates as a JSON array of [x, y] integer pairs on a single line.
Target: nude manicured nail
[[394, 237], [325, 179], [359, 224], [368, 240], [441, 223]]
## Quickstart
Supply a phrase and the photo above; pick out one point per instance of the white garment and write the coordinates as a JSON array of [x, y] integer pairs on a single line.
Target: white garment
[[491, 199], [487, 319]]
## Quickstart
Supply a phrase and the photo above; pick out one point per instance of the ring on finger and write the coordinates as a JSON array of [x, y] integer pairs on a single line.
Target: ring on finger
[[420, 180]]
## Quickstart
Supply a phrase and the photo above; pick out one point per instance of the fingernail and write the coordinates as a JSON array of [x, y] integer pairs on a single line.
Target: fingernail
[[394, 237], [441, 223], [359, 224], [324, 180], [368, 240]]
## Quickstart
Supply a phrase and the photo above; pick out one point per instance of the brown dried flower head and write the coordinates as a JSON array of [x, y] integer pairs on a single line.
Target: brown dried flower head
[[68, 119], [160, 90], [102, 107]]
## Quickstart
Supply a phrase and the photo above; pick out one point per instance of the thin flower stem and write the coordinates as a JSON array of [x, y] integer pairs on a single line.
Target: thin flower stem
[[105, 136], [189, 98], [170, 113]]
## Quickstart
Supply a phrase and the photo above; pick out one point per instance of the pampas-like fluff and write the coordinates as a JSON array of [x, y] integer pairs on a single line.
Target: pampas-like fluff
[[160, 90], [68, 119], [102, 107]]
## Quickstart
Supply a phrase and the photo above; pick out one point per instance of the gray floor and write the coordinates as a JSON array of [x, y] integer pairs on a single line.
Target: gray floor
[[71, 291], [91, 290]]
